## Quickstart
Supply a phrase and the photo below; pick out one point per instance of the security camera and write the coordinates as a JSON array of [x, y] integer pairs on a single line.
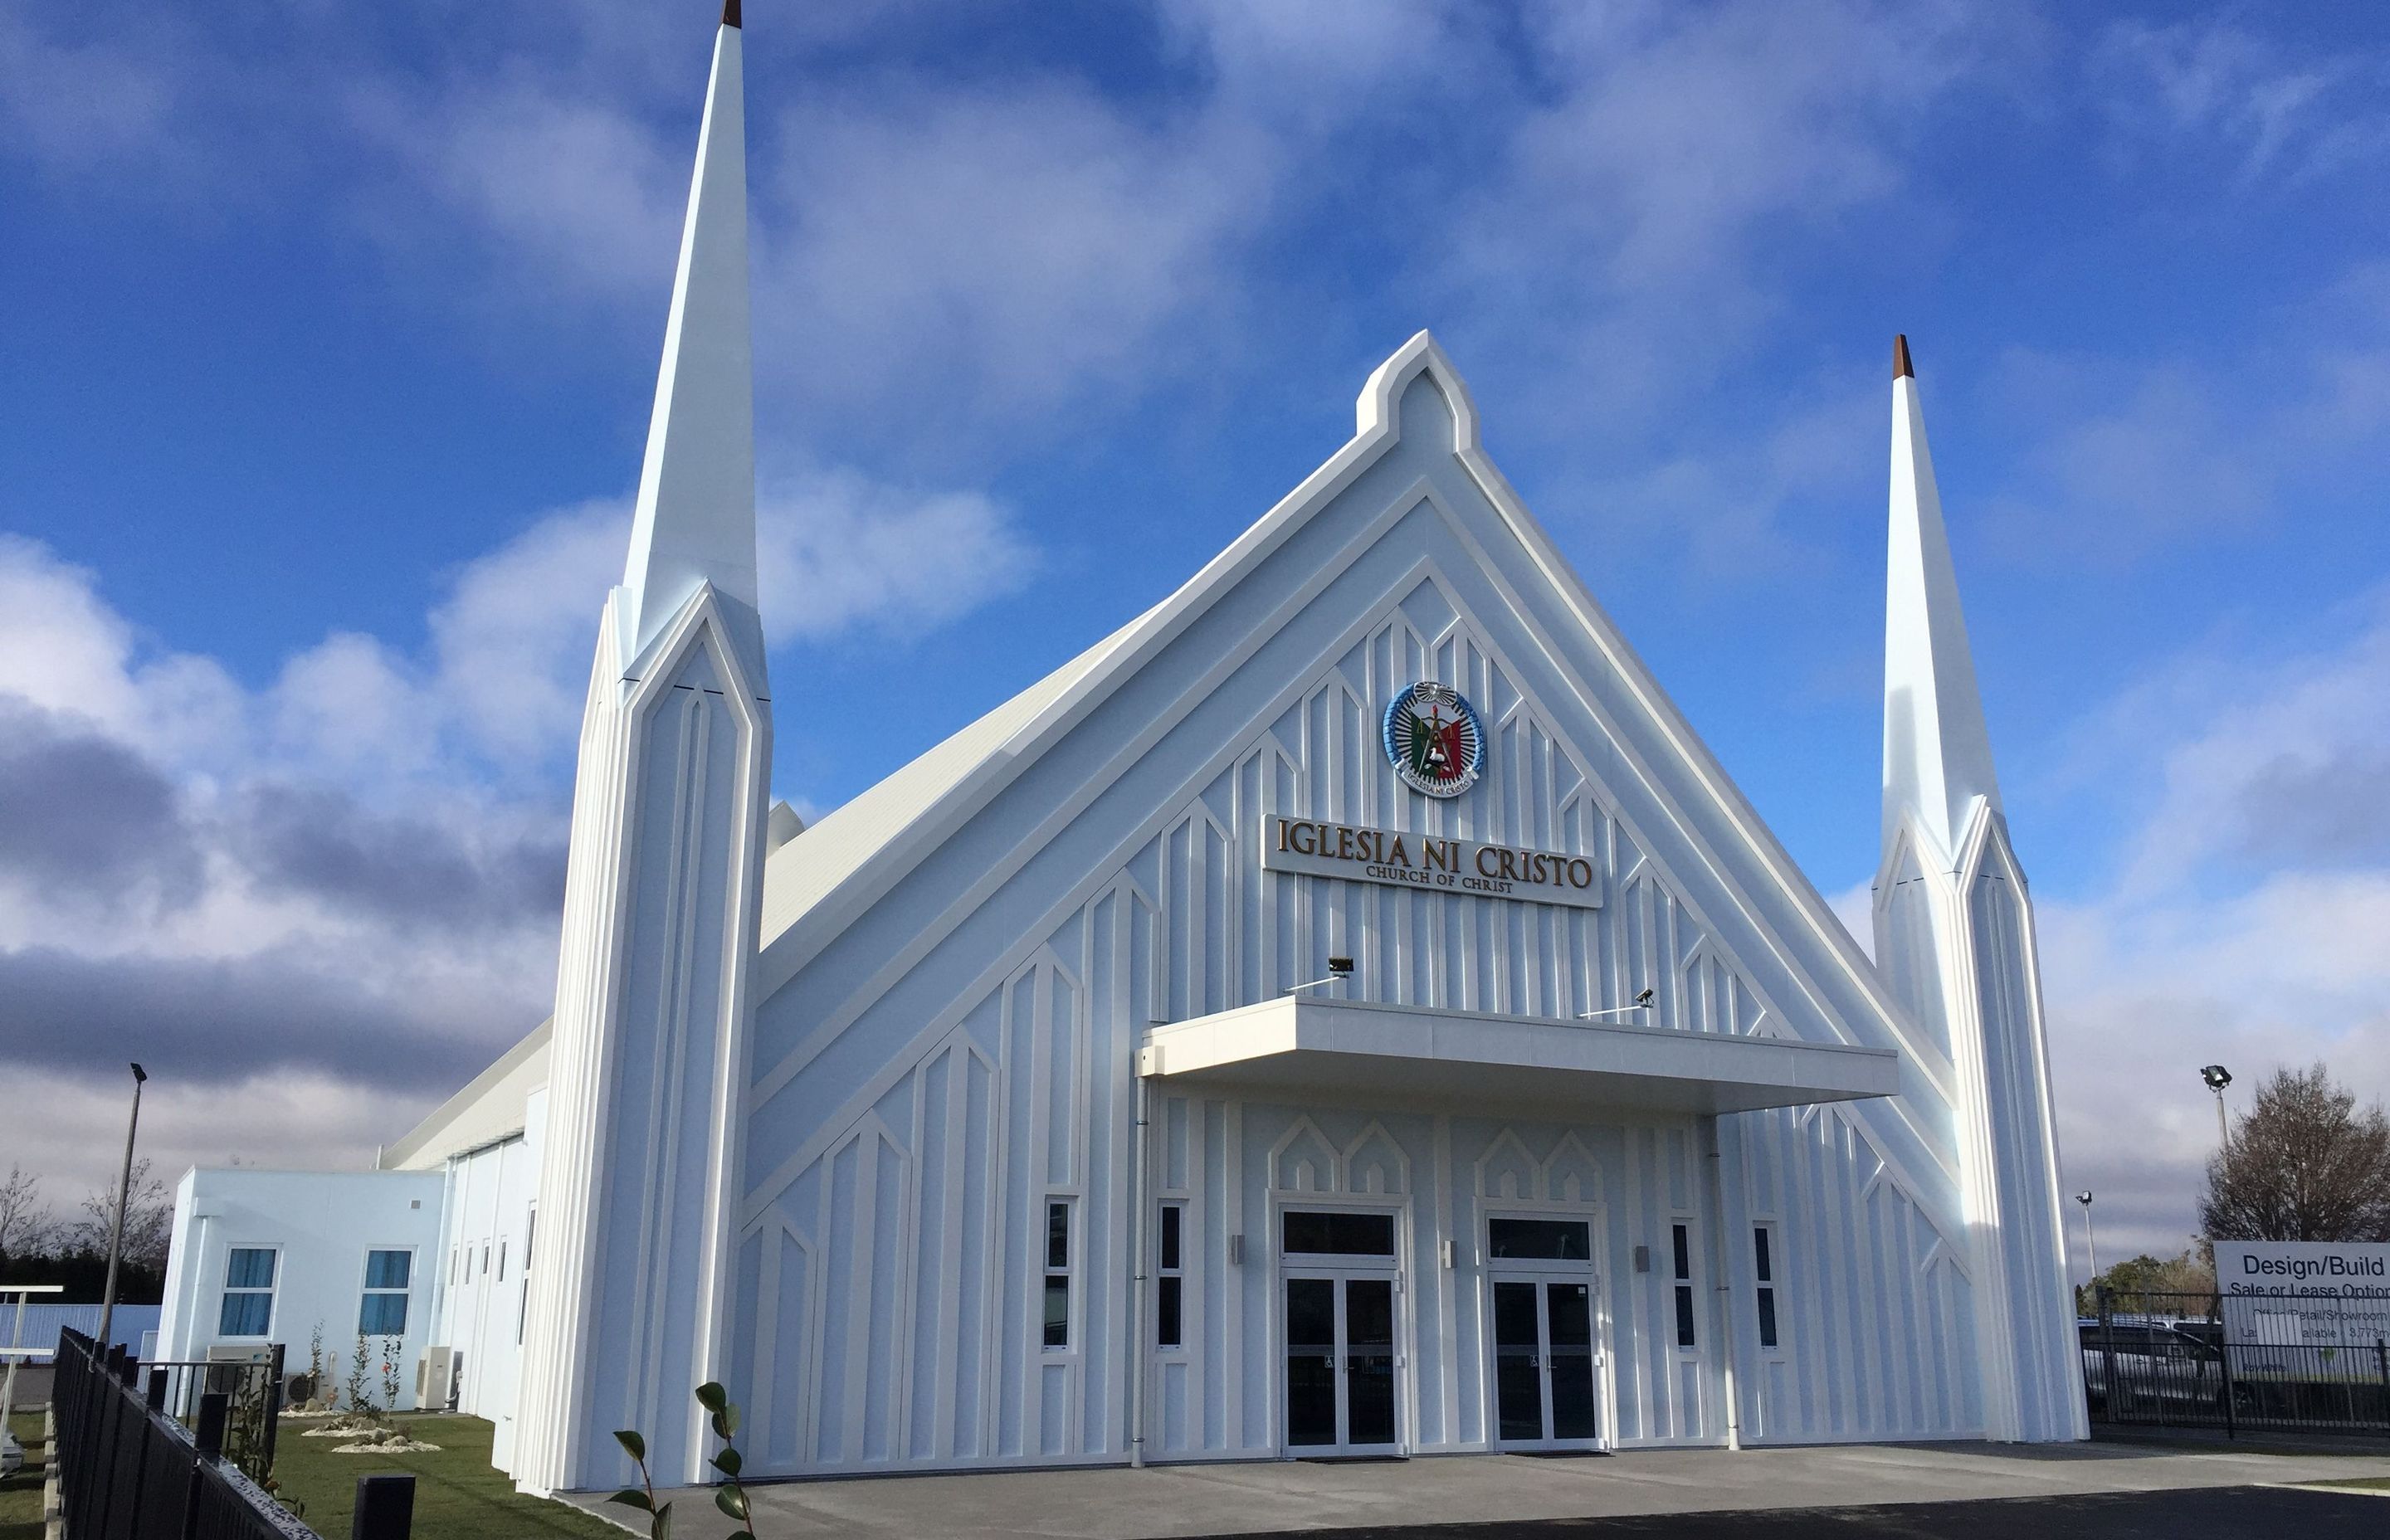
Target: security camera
[[2084, 1199], [1644, 999]]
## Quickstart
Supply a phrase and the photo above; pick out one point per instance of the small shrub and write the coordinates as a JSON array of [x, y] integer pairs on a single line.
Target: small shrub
[[389, 1356], [360, 1368], [730, 1496]]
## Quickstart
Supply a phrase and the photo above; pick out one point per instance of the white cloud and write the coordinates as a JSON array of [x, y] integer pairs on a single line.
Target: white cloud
[[967, 259], [2213, 78], [73, 103], [2245, 928], [1671, 159], [837, 551], [289, 1122], [353, 873]]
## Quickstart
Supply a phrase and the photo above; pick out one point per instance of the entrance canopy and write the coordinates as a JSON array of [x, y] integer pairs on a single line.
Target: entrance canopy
[[1302, 1047]]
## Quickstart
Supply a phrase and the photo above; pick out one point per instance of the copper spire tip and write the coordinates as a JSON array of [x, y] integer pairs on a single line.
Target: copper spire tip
[[1901, 368], [731, 13]]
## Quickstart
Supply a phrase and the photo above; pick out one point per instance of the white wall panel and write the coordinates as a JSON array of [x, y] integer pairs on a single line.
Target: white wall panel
[[905, 1329]]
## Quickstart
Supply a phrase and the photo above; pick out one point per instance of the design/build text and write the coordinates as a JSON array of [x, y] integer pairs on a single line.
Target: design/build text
[[1413, 860]]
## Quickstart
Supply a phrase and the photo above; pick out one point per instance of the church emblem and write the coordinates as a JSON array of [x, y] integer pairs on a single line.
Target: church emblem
[[1433, 741]]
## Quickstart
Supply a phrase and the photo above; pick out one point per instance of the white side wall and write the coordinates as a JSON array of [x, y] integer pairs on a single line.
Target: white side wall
[[484, 1280], [321, 1225]]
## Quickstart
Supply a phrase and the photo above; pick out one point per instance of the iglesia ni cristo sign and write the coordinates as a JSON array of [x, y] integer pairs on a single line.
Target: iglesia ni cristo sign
[[1412, 860]]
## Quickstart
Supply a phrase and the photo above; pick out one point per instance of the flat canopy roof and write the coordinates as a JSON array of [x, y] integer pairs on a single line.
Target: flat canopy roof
[[1302, 1047]]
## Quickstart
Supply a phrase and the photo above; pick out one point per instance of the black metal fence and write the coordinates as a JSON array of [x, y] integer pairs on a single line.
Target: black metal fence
[[252, 1390], [130, 1470], [2313, 1363]]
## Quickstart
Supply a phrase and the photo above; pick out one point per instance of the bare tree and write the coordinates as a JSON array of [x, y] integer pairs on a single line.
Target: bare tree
[[2303, 1165], [26, 1225], [149, 1221]]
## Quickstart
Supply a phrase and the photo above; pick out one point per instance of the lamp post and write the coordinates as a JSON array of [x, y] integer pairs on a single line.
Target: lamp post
[[116, 1232], [2091, 1241], [2219, 1077]]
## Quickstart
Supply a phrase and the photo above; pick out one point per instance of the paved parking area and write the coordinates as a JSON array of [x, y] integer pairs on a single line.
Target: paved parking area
[[1525, 1494], [2208, 1513]]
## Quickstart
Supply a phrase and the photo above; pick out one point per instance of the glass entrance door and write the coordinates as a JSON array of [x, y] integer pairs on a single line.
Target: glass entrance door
[[1545, 1392], [1340, 1395]]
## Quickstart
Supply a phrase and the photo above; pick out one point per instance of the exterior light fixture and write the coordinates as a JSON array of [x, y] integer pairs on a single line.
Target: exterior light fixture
[[1339, 969], [2091, 1241], [1642, 1002], [2219, 1077]]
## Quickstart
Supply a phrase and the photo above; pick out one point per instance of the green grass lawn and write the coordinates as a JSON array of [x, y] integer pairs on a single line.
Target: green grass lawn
[[2363, 1484], [20, 1494], [458, 1494]]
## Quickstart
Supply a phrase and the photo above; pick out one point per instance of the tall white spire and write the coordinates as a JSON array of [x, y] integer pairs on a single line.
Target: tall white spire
[[1937, 754], [1954, 932], [696, 519], [629, 1302]]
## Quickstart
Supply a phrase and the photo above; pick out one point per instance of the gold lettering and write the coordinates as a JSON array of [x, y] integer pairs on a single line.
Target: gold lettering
[[1306, 839], [1399, 855], [1283, 825], [1579, 863], [1482, 853], [1438, 853]]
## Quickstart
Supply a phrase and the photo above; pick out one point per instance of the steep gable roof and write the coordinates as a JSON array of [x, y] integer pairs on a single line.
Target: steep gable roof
[[902, 816], [809, 867], [1693, 821]]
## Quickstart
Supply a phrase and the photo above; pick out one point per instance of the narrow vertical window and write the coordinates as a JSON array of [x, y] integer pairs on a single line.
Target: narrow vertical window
[[382, 1313], [1685, 1336], [248, 1309], [1764, 1269], [502, 1262], [1058, 1274], [522, 1305], [1169, 1300]]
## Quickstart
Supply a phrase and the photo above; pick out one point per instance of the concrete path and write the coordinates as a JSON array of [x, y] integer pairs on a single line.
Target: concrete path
[[1191, 1500]]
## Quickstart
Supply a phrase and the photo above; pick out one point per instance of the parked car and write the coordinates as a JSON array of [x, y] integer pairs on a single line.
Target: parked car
[[2158, 1364]]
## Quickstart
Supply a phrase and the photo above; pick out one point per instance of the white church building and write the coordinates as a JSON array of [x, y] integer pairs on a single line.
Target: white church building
[[1347, 1010]]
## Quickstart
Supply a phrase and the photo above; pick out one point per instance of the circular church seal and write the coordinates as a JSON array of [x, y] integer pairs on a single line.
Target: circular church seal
[[1434, 739]]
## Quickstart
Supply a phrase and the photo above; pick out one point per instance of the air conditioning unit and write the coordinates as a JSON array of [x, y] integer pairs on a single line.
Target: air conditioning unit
[[435, 1379], [228, 1371]]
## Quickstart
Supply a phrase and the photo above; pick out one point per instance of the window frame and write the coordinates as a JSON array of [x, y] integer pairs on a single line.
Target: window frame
[[1687, 1300], [1767, 1287], [1064, 1274], [273, 1291], [367, 1290], [1170, 1276]]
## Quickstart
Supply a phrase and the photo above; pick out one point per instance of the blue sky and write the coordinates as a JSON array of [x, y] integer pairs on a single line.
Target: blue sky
[[331, 338]]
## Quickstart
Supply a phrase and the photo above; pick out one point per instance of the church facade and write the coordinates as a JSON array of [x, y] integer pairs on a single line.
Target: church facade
[[1346, 1011]]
